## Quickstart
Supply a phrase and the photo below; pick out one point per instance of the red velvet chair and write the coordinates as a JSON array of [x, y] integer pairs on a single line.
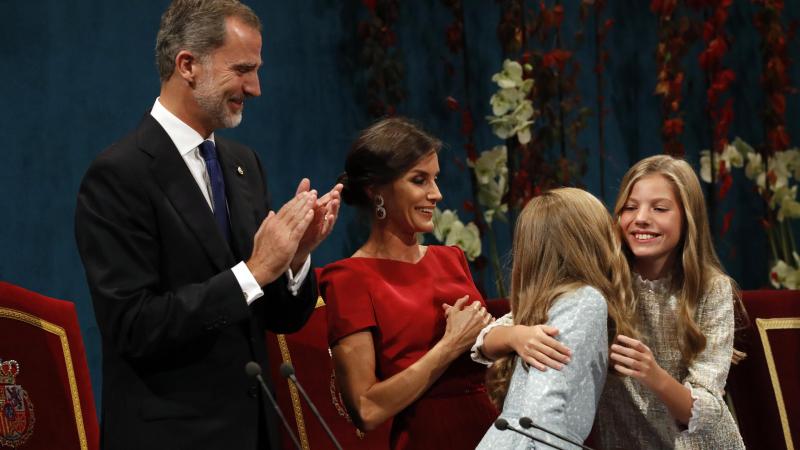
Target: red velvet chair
[[765, 387], [46, 399]]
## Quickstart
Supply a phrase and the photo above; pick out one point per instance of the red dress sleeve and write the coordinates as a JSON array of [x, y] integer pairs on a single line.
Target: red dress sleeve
[[348, 303]]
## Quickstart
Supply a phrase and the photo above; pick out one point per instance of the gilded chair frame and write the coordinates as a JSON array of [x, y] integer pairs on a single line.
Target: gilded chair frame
[[52, 328], [763, 326]]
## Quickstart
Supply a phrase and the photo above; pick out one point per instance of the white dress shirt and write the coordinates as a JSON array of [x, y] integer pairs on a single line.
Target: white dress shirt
[[187, 140]]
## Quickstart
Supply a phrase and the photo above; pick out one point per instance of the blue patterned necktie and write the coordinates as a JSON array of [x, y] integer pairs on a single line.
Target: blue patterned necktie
[[209, 154]]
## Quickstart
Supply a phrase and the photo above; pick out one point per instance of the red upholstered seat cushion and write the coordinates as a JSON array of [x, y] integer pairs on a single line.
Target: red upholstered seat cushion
[[750, 382], [43, 336]]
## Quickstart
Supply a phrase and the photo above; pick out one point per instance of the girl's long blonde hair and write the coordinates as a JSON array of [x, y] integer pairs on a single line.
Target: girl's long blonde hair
[[564, 239], [696, 264]]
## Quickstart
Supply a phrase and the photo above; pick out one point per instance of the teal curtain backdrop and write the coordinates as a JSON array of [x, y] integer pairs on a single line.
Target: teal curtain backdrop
[[76, 76]]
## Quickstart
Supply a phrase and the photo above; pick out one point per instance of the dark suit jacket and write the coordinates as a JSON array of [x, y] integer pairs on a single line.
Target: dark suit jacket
[[177, 331]]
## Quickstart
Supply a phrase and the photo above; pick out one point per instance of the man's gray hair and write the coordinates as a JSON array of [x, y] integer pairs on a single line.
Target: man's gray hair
[[197, 26]]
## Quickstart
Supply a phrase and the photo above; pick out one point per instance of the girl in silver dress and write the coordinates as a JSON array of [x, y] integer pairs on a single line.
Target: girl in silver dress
[[569, 271]]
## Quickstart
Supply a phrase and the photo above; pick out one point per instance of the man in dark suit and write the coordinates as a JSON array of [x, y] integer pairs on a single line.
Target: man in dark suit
[[186, 264]]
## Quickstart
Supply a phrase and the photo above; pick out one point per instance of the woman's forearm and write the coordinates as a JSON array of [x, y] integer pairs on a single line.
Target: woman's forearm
[[372, 402]]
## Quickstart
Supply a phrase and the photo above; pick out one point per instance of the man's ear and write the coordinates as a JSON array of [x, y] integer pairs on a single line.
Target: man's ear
[[187, 66]]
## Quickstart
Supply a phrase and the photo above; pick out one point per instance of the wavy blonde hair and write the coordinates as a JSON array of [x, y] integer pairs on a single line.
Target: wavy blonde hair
[[564, 239], [696, 264]]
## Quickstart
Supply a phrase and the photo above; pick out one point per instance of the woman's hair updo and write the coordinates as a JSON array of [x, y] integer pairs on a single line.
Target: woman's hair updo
[[381, 154]]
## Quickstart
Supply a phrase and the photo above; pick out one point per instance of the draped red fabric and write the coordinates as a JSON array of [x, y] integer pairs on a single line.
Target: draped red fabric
[[49, 381]]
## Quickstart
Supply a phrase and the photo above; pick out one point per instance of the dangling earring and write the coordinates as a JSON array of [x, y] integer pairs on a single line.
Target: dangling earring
[[380, 211]]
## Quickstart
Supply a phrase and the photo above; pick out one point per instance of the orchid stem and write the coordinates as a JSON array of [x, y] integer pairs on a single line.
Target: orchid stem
[[787, 254], [771, 238], [495, 258]]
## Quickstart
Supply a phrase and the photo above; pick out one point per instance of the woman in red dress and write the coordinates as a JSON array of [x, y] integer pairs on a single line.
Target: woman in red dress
[[402, 316]]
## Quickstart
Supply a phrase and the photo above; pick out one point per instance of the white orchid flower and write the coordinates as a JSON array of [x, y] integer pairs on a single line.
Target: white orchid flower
[[491, 173], [755, 165], [448, 229], [779, 165], [705, 166], [732, 157], [442, 223], [510, 76], [465, 237], [490, 164], [784, 275]]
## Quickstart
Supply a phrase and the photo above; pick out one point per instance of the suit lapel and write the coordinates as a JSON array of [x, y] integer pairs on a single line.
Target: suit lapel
[[240, 199], [180, 188]]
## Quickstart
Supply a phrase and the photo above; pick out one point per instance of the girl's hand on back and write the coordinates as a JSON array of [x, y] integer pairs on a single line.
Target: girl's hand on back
[[537, 346]]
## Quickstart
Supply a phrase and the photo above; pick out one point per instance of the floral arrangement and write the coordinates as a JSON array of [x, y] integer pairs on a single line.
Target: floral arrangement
[[776, 181], [513, 110]]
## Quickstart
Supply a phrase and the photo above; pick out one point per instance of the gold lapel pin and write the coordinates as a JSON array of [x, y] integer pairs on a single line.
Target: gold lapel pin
[[240, 170]]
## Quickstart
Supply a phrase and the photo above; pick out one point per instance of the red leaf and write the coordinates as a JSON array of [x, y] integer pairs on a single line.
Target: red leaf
[[472, 153], [778, 103], [726, 223], [663, 7], [558, 15], [469, 206], [453, 37], [727, 182], [778, 138], [556, 57], [672, 127], [467, 125], [452, 104]]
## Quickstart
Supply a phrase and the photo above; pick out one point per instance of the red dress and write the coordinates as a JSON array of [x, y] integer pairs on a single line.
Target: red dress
[[401, 304]]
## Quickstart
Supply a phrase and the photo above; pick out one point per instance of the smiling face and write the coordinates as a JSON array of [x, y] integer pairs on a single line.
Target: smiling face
[[651, 221], [410, 200], [229, 75]]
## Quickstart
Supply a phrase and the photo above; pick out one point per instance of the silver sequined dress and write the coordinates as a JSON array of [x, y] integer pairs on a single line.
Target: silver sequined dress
[[562, 401], [630, 416]]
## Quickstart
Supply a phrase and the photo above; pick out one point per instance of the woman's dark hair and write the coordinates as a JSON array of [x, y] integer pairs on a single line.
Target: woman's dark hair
[[381, 154]]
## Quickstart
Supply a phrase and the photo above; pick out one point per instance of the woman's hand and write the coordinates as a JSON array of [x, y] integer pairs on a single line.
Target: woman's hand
[[537, 346], [464, 322], [634, 359]]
